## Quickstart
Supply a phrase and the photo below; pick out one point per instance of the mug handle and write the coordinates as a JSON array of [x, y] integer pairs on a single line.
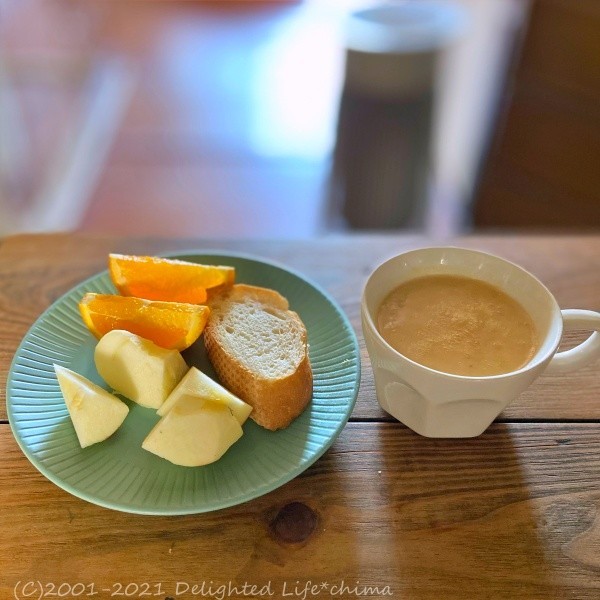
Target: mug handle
[[584, 353]]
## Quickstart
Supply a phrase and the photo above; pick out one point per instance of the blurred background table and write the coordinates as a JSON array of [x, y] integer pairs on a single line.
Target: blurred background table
[[511, 514], [219, 118]]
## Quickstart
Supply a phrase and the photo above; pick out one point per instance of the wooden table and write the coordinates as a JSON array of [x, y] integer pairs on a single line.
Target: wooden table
[[514, 513]]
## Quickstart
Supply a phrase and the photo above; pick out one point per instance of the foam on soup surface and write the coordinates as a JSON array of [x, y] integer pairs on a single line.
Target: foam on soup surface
[[458, 325]]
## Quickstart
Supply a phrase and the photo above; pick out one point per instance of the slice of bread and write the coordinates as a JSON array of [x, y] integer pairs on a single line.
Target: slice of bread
[[259, 350]]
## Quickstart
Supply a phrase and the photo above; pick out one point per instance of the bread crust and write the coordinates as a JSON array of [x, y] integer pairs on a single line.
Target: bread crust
[[275, 402]]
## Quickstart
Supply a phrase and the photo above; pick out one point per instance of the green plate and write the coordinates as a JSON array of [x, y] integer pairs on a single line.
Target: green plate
[[118, 473]]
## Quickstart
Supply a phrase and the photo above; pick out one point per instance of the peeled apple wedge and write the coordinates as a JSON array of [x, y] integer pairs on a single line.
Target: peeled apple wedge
[[96, 413], [194, 432], [196, 383], [138, 368]]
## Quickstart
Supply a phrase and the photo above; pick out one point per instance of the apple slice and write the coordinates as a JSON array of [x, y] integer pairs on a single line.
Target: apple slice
[[196, 383], [96, 414], [194, 432], [138, 368]]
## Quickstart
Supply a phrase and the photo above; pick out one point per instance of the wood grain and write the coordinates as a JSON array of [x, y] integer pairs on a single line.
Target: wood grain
[[36, 270], [512, 514]]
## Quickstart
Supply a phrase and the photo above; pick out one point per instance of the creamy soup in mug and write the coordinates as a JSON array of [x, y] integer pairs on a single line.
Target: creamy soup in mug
[[458, 325]]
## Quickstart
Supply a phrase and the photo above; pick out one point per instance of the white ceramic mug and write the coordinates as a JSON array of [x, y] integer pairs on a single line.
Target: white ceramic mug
[[437, 404]]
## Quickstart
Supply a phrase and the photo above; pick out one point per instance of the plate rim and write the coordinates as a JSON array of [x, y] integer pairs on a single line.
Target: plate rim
[[257, 492]]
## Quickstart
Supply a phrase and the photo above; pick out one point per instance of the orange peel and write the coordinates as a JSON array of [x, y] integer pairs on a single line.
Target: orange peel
[[172, 325], [166, 279]]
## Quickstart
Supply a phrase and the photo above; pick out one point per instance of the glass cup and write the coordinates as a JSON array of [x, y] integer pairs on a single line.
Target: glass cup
[[437, 404]]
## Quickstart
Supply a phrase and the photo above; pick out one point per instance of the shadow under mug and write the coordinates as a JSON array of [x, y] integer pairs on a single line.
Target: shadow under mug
[[437, 404]]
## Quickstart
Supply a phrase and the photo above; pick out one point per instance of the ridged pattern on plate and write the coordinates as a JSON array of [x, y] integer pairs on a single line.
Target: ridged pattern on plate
[[118, 473]]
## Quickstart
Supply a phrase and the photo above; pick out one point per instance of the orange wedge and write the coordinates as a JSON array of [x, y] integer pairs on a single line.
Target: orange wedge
[[172, 325], [166, 279]]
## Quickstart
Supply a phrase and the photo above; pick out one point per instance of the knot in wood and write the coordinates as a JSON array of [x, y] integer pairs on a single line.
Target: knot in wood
[[294, 523]]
